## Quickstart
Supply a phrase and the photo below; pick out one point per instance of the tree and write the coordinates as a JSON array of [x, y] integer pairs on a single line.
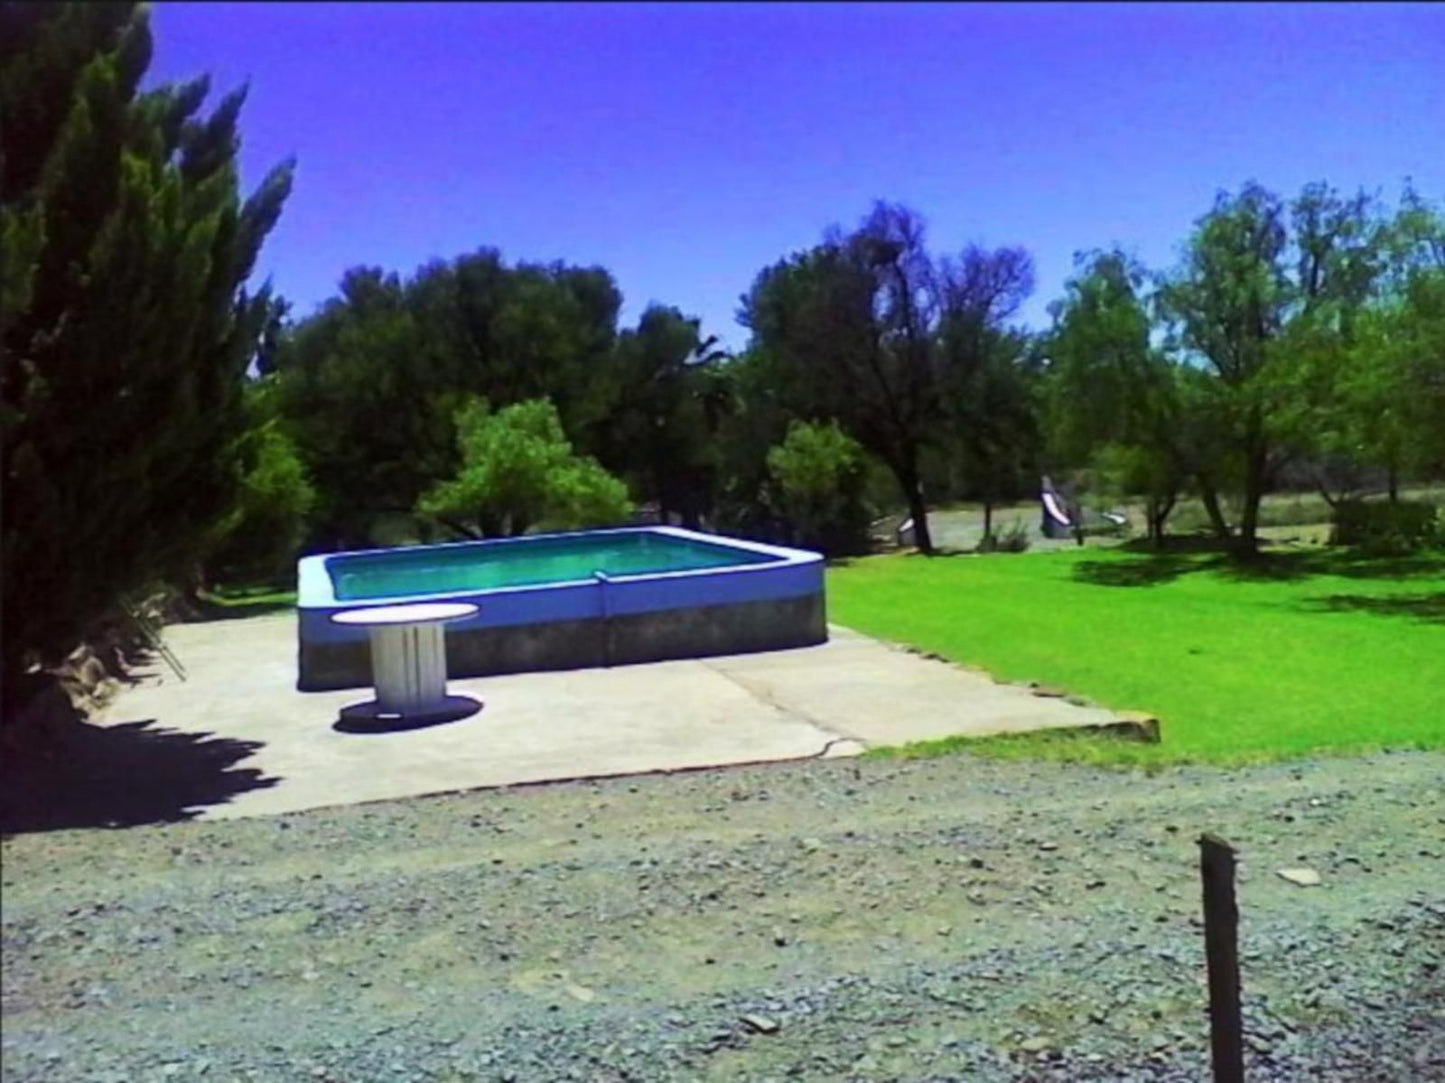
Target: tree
[[360, 393], [1113, 400], [820, 473], [1388, 402], [852, 331], [518, 471], [259, 539], [755, 423], [371, 384], [1264, 301], [127, 326], [987, 394], [670, 393]]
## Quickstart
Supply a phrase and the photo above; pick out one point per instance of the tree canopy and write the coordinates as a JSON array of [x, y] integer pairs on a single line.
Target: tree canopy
[[518, 470], [128, 325], [869, 328]]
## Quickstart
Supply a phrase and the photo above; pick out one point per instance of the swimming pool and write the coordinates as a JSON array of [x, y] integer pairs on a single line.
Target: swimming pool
[[565, 601]]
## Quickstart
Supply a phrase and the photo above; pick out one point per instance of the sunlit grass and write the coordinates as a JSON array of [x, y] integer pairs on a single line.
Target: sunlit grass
[[1306, 652], [250, 596]]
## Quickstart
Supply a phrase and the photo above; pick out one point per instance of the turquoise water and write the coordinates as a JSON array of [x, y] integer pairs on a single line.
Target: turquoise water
[[438, 570]]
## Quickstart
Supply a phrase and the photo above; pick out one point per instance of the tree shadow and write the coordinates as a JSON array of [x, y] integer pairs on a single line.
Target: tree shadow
[[1142, 572], [1148, 566], [71, 773], [1426, 607], [1345, 564], [1173, 543]]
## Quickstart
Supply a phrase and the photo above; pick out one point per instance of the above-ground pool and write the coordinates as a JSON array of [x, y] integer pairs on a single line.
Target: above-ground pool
[[564, 601]]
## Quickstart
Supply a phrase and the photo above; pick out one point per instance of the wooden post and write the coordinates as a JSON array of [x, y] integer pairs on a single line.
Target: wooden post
[[1221, 929]]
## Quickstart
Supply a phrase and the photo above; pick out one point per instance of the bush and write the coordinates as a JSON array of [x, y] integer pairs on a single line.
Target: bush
[[1015, 539], [1301, 511], [519, 471], [821, 473], [1386, 528], [259, 540]]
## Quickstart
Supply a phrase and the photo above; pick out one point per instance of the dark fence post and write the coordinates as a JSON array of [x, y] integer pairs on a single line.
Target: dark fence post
[[1221, 932]]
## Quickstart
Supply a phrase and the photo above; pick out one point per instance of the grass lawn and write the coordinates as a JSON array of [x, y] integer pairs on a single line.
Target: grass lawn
[[1311, 651], [249, 597]]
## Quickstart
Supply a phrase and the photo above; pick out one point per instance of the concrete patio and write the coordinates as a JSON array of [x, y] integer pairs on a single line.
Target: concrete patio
[[834, 699]]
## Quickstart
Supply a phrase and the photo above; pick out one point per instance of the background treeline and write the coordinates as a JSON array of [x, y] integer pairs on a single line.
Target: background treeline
[[1300, 343], [164, 422]]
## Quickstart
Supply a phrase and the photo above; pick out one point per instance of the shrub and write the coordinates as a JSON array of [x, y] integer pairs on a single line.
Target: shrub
[[1386, 527], [1013, 539], [820, 472], [259, 540], [1301, 511], [519, 471]]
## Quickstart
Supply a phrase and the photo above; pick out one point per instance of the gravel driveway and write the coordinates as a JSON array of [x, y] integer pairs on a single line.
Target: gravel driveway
[[950, 919]]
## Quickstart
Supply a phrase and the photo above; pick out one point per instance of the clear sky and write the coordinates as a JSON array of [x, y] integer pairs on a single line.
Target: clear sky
[[686, 146]]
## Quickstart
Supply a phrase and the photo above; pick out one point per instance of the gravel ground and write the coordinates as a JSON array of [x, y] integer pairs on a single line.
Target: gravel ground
[[949, 919]]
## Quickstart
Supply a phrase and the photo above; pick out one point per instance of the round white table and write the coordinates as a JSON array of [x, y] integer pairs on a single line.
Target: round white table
[[409, 662]]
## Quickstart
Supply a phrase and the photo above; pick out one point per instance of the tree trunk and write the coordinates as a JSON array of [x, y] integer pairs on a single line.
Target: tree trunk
[[1248, 543], [919, 513], [466, 530], [1394, 482], [906, 474], [691, 516], [492, 526], [1254, 485], [1256, 475], [987, 518], [1159, 509], [1210, 499]]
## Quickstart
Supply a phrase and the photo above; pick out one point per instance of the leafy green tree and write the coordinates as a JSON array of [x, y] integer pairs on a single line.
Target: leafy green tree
[[670, 394], [356, 390], [373, 381], [127, 327], [259, 539], [518, 471], [1112, 399], [988, 395], [756, 421], [1264, 302], [820, 473], [1387, 407], [854, 330]]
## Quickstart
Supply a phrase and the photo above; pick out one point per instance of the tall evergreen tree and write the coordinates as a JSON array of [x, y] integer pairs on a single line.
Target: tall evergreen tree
[[125, 323]]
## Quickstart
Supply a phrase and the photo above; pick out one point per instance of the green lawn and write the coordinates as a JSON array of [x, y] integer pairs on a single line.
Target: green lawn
[[249, 597], [1310, 651]]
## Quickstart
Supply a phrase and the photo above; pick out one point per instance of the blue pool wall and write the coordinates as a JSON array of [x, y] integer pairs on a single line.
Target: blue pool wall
[[599, 621]]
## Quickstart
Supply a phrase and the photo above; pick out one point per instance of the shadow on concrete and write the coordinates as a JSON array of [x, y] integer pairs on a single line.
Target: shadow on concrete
[[368, 718], [72, 774], [1426, 607]]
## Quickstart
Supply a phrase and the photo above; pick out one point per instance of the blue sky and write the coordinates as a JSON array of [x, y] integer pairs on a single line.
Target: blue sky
[[686, 146]]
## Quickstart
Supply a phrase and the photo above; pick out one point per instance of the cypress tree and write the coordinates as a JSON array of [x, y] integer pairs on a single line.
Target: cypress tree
[[126, 326]]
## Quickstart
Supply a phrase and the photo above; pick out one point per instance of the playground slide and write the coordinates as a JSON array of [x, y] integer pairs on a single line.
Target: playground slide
[[1054, 509]]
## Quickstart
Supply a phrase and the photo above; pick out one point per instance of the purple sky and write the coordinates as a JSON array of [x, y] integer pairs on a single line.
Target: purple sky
[[684, 147]]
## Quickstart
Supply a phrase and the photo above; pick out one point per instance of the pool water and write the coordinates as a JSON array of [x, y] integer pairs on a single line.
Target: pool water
[[525, 562]]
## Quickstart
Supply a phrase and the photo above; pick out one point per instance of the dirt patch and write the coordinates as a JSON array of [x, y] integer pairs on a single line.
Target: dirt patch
[[843, 919]]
